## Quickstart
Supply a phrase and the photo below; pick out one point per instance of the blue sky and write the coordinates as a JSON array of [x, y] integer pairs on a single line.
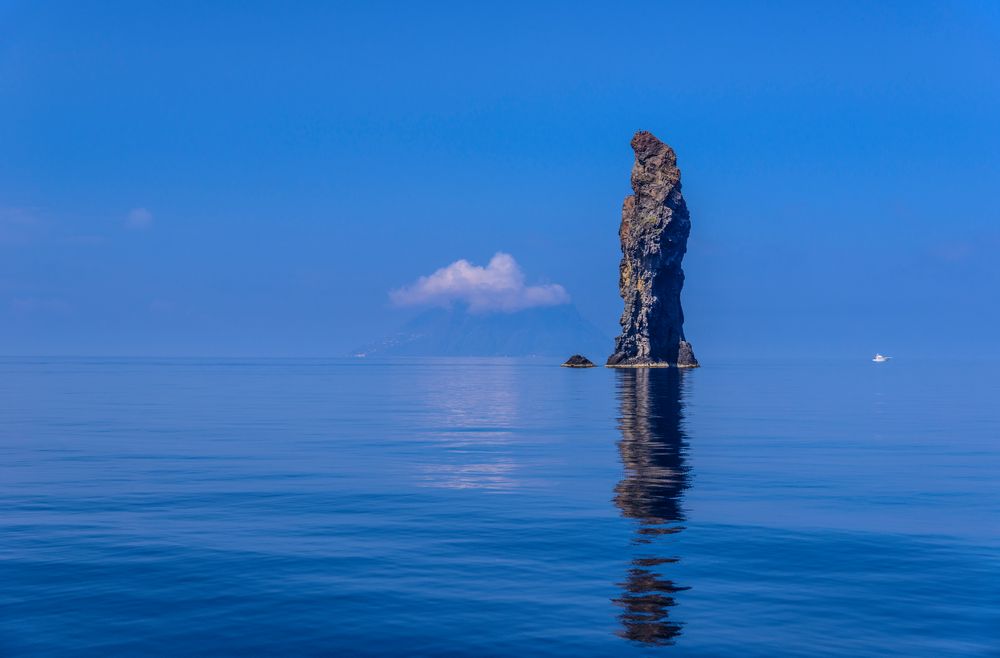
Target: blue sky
[[255, 179]]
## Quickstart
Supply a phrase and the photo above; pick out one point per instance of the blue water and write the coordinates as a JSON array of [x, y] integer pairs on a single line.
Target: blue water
[[498, 507]]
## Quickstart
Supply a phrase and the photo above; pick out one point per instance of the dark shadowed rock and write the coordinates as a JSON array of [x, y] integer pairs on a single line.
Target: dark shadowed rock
[[654, 232], [578, 361]]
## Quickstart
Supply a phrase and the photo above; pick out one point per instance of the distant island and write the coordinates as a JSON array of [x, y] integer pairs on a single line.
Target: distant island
[[654, 232], [457, 331]]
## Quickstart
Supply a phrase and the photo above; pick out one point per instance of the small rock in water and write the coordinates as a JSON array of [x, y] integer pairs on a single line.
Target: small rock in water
[[578, 361]]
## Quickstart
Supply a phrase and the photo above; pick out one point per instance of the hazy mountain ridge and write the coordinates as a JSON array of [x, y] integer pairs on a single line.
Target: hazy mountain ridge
[[543, 331]]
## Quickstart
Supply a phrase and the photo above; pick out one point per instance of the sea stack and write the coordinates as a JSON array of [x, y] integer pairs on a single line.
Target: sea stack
[[654, 233]]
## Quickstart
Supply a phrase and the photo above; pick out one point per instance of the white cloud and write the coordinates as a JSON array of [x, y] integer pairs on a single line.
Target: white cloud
[[497, 287], [139, 218], [161, 306], [19, 226], [39, 305]]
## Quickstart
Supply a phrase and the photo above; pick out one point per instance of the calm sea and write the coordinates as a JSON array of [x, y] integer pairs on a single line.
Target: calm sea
[[498, 508]]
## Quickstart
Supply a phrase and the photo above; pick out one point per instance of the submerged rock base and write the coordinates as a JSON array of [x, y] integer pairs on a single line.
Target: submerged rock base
[[685, 359]]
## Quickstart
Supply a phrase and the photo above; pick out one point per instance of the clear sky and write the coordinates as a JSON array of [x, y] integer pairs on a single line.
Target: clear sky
[[256, 178]]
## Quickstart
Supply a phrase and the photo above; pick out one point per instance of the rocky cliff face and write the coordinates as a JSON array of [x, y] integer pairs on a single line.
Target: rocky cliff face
[[654, 233]]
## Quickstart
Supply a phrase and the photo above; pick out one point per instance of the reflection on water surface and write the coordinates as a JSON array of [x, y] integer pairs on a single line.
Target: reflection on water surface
[[652, 448]]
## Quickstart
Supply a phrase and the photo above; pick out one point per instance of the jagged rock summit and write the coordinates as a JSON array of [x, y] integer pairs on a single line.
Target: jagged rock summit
[[654, 232]]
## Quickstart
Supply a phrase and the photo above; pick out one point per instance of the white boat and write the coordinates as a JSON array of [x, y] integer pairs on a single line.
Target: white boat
[[881, 358]]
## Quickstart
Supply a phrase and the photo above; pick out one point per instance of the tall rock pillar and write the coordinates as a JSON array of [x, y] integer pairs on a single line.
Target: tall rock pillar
[[654, 233]]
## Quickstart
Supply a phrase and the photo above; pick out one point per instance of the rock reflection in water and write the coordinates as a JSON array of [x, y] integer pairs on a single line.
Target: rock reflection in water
[[652, 448]]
